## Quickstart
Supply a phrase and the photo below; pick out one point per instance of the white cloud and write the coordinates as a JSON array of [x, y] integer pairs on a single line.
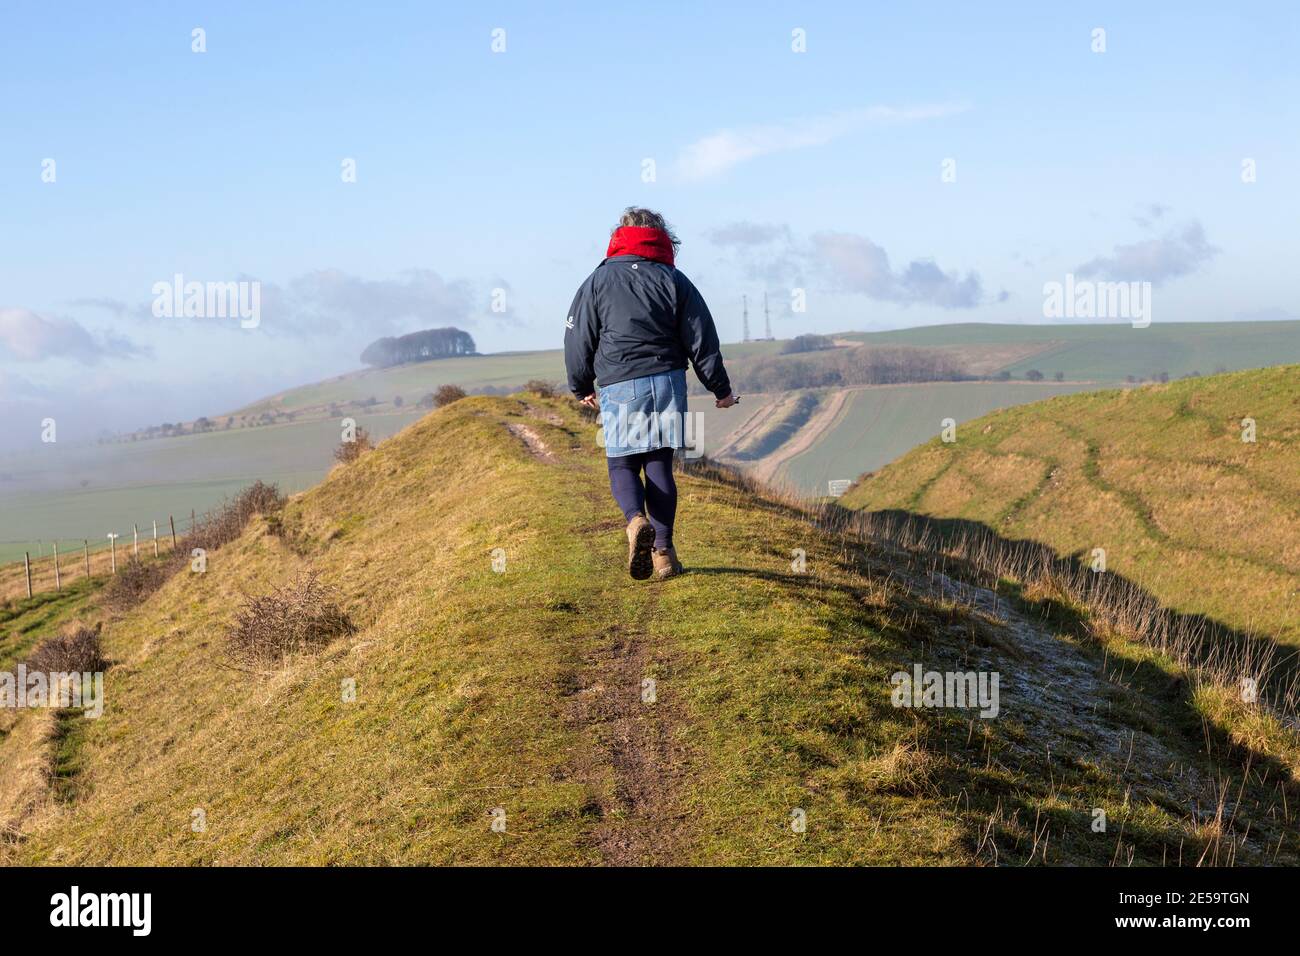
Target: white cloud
[[844, 262], [1179, 252], [854, 263], [28, 337], [720, 151], [332, 300]]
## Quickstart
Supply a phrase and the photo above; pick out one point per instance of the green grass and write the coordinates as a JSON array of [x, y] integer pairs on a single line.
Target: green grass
[[523, 690], [1158, 476]]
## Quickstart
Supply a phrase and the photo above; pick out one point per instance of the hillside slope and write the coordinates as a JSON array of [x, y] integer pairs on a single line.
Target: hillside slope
[[523, 691], [1159, 477]]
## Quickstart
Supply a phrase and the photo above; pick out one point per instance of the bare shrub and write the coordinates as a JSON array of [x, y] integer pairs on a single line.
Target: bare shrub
[[299, 617], [446, 394], [225, 523], [136, 580], [541, 388], [350, 451], [77, 650]]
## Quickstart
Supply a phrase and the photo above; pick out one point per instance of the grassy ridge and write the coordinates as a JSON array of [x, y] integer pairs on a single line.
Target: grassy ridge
[[524, 690], [1159, 477]]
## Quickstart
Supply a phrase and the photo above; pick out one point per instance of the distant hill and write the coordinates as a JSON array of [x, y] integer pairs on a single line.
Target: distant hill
[[1157, 476], [1117, 353]]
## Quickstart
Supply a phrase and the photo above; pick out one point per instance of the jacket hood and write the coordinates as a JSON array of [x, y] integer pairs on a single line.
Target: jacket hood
[[644, 241]]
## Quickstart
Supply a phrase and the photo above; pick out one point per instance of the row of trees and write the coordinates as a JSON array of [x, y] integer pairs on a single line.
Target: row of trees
[[419, 346], [809, 342], [860, 365]]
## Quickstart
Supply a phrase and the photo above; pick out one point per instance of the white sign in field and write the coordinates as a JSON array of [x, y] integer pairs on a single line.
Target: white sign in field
[[838, 486]]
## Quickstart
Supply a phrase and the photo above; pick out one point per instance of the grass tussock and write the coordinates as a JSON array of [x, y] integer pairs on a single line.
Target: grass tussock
[[299, 617]]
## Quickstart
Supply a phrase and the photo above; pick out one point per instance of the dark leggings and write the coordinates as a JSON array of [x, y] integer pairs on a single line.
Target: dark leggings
[[658, 495]]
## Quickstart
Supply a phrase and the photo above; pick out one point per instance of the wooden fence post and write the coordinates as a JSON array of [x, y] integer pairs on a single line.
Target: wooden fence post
[[155, 539], [135, 540], [27, 567], [112, 551], [85, 543], [173, 524], [58, 582]]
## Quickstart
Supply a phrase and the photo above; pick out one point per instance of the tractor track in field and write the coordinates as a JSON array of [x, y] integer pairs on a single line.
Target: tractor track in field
[[812, 430]]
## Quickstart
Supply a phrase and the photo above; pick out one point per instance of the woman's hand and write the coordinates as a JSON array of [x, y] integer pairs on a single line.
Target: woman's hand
[[728, 401], [590, 401]]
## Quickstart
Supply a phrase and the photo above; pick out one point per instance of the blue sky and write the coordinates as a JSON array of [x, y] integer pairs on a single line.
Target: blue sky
[[477, 170]]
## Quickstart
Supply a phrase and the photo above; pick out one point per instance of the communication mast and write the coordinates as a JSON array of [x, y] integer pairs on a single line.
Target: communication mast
[[744, 318], [767, 321]]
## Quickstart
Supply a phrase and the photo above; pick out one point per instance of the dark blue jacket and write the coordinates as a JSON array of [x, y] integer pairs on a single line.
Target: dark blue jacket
[[635, 316]]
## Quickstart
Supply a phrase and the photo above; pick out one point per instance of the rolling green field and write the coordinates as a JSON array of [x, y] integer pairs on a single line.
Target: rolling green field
[[1111, 353], [82, 492], [879, 423]]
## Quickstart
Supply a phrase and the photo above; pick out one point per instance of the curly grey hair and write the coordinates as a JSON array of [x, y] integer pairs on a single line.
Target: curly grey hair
[[648, 218]]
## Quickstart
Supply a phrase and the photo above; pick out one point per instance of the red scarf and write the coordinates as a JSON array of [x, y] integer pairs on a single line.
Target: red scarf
[[643, 241]]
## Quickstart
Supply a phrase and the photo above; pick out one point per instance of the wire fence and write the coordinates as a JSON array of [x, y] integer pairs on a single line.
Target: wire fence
[[60, 563]]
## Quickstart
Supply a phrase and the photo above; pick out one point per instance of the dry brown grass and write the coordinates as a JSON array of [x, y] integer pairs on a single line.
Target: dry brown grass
[[24, 755]]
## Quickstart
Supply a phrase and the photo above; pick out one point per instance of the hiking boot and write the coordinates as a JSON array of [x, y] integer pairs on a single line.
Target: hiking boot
[[666, 563], [640, 542]]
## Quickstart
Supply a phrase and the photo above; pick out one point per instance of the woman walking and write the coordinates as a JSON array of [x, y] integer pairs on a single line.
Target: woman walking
[[633, 326]]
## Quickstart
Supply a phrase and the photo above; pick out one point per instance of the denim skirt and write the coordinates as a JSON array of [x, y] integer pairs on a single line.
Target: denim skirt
[[642, 414]]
